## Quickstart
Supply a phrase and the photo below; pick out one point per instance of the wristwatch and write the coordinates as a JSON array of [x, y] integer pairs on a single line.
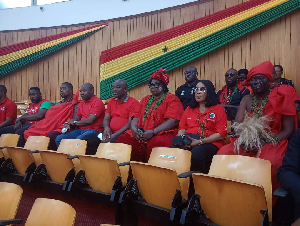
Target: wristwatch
[[75, 122]]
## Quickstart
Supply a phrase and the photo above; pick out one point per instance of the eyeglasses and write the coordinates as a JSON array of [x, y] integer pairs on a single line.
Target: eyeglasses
[[155, 85], [229, 75], [277, 72], [199, 89]]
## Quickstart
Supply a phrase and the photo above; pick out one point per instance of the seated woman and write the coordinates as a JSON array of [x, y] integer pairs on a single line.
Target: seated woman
[[155, 119], [265, 120], [206, 121]]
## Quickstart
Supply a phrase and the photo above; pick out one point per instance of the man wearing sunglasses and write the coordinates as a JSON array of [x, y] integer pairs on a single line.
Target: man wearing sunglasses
[[277, 77], [232, 93], [185, 91]]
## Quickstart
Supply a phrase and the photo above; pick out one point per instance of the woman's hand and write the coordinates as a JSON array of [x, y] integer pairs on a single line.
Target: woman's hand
[[136, 134], [147, 135], [195, 142]]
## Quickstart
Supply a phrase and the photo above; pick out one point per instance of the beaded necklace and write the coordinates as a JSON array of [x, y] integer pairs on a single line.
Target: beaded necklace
[[258, 111], [228, 98], [202, 125], [150, 102]]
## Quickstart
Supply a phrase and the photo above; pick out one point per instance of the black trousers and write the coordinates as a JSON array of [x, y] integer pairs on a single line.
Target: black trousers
[[93, 142], [202, 156], [10, 129]]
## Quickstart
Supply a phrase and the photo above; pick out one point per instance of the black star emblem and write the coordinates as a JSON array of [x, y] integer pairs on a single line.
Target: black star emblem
[[165, 49]]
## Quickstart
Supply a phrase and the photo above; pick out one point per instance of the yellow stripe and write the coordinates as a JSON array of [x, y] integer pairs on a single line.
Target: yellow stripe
[[25, 52], [124, 63]]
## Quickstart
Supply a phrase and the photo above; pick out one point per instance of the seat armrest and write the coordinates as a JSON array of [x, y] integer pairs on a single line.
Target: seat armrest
[[281, 193], [12, 221], [187, 174], [73, 157], [124, 164], [36, 151]]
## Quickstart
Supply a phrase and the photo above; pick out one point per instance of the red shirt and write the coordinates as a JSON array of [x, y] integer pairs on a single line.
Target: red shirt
[[214, 120], [120, 112], [92, 106], [8, 108], [34, 108], [171, 107]]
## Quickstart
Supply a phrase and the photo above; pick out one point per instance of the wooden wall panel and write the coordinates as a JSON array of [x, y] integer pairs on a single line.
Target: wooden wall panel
[[278, 41]]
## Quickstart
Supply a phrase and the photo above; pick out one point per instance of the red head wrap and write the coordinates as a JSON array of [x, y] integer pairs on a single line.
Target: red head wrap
[[161, 76], [265, 68]]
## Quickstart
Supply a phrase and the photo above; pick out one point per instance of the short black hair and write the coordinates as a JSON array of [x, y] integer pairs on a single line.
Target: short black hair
[[69, 85], [3, 89], [211, 95], [278, 65], [243, 71], [164, 85], [35, 89]]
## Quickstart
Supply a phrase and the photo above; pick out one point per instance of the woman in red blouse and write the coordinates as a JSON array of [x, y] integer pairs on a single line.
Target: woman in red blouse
[[155, 119], [204, 122]]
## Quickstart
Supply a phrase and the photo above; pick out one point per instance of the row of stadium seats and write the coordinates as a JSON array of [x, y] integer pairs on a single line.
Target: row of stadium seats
[[237, 190]]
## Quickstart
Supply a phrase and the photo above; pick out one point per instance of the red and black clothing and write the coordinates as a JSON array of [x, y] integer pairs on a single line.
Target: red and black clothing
[[205, 124], [281, 102], [233, 97], [170, 107]]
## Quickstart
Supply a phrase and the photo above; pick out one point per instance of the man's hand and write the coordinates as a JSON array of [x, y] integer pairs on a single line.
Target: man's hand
[[66, 128], [147, 135], [106, 134], [136, 134], [18, 125], [71, 121]]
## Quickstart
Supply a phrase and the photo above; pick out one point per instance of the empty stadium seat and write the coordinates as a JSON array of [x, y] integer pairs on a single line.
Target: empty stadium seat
[[57, 165], [24, 160], [158, 183], [10, 196], [50, 212], [225, 202], [8, 140]]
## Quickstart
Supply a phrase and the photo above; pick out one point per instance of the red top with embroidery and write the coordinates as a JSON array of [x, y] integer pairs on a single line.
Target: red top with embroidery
[[171, 107], [8, 108], [214, 121], [92, 106], [120, 112]]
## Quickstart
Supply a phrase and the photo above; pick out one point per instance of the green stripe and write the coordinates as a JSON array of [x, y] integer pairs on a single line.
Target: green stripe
[[6, 68], [182, 55]]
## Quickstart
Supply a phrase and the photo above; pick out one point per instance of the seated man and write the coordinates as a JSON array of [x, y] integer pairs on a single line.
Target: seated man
[[8, 109], [35, 112], [231, 94], [185, 91], [277, 77], [52, 124], [89, 116], [116, 120], [242, 75], [270, 120], [288, 175], [155, 119]]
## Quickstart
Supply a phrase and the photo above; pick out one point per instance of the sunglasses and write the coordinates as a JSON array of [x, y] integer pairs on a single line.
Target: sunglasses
[[229, 75], [155, 85], [199, 89], [189, 72]]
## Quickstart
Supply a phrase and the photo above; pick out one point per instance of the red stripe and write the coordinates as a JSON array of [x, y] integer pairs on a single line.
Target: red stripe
[[23, 45], [154, 39]]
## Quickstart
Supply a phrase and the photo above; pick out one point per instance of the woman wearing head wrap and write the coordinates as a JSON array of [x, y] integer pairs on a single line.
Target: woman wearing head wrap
[[265, 120], [155, 119]]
